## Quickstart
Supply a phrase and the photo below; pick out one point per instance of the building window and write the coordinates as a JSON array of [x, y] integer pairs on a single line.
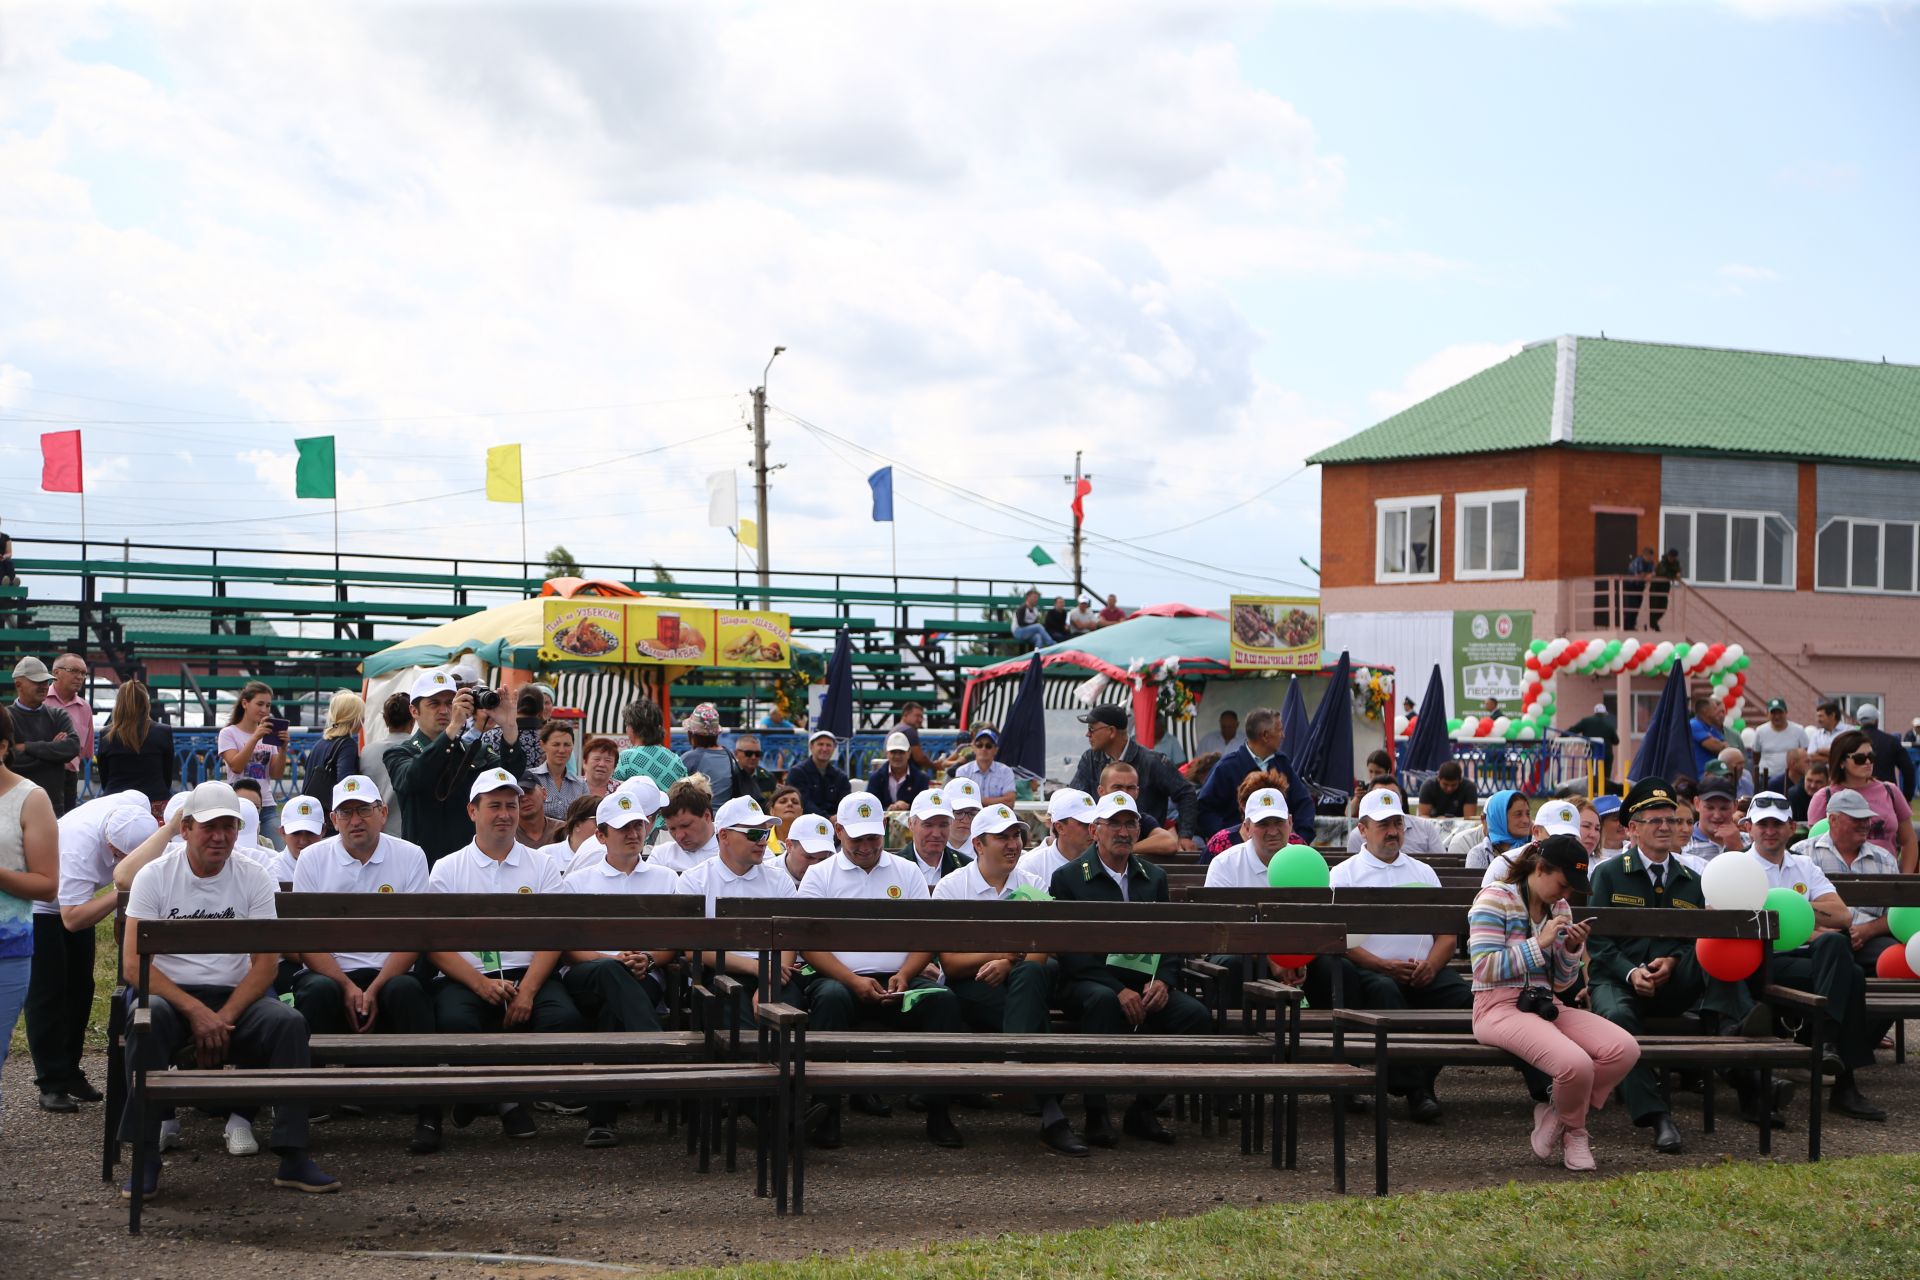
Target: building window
[[1867, 555], [1407, 532], [1490, 534], [1850, 704], [1730, 548]]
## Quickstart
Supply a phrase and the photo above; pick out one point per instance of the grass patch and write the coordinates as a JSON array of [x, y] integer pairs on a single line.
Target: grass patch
[[1736, 1222], [106, 976]]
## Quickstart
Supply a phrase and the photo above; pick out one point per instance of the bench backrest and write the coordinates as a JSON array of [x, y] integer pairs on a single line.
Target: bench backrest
[[342, 906], [1878, 891], [1012, 932], [447, 933], [935, 909]]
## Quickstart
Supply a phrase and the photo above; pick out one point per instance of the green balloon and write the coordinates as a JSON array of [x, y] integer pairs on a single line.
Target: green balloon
[[1796, 918], [1029, 893], [1817, 830], [1538, 646], [1453, 725], [1513, 729], [1299, 866], [1904, 921]]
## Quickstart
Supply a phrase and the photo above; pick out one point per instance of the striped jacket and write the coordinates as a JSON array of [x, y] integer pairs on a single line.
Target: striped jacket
[[1500, 942]]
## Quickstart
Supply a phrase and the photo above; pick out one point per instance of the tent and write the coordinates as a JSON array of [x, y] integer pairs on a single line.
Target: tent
[[1130, 664]]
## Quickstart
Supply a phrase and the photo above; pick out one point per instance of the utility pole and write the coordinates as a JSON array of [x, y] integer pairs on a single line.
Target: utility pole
[[760, 478], [1079, 587]]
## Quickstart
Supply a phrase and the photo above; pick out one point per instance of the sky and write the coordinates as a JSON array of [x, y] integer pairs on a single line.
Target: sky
[[1192, 243]]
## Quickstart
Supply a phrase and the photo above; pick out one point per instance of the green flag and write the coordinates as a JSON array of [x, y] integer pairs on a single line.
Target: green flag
[[313, 474], [1039, 556]]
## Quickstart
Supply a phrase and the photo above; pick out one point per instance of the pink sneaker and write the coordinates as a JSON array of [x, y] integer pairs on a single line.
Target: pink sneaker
[[1546, 1130], [1578, 1154]]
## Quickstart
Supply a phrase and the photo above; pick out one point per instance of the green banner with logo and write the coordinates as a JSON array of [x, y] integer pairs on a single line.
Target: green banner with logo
[[1490, 659]]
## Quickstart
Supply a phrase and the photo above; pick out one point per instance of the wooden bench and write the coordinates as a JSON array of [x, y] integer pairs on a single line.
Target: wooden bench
[[1887, 999], [150, 643]]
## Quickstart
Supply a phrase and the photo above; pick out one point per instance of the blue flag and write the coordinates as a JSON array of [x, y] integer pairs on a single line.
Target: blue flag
[[881, 482]]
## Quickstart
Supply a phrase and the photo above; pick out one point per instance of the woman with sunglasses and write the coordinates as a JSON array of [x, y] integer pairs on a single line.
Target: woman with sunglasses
[[1850, 761]]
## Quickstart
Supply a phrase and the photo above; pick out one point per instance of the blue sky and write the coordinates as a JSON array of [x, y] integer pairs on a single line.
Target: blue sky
[[1194, 242]]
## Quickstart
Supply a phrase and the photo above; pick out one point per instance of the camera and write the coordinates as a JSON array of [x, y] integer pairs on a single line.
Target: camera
[[1538, 1000], [486, 699]]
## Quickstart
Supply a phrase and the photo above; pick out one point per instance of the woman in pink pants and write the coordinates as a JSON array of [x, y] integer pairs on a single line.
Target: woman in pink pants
[[1523, 939]]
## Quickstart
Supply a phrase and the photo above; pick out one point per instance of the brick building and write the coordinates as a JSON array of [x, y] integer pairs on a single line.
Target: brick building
[[1789, 486]]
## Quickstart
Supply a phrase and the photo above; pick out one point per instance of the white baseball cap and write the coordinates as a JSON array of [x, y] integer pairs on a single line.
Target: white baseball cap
[[1266, 804], [930, 804], [175, 804], [898, 742], [1867, 712], [428, 683], [813, 833], [355, 788], [860, 814], [127, 827], [994, 819], [742, 813], [1070, 802], [493, 780], [1381, 803], [1558, 818], [303, 814], [464, 673], [1115, 802], [645, 792], [1771, 805], [620, 809], [962, 793], [820, 733], [205, 802]]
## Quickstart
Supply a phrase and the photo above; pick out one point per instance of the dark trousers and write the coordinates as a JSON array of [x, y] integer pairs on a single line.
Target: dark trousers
[[1019, 1006], [1365, 989], [610, 998], [59, 1001], [1096, 1007], [69, 790], [1826, 967], [1656, 602], [1868, 960], [832, 1007], [457, 1010], [400, 1008], [1631, 591], [1689, 986], [267, 1035]]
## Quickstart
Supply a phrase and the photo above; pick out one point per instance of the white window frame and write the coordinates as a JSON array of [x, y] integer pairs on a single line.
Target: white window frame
[[1487, 499], [1381, 506], [1690, 563], [1853, 522]]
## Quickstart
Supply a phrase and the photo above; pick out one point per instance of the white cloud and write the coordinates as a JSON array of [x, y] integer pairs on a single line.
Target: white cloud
[[14, 385], [1439, 371], [1745, 274]]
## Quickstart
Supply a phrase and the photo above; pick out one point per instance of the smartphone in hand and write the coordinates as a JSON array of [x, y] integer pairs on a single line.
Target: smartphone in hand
[[278, 738]]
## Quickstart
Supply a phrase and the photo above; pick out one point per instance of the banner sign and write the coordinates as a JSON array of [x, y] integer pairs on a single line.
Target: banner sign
[[583, 631], [1274, 633], [1490, 658], [619, 632], [756, 640]]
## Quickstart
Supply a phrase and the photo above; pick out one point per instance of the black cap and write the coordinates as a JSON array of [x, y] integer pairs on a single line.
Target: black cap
[[1648, 793], [1108, 714], [1715, 784], [1568, 856]]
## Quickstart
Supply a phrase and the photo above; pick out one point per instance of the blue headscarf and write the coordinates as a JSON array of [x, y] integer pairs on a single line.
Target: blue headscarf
[[1497, 808]]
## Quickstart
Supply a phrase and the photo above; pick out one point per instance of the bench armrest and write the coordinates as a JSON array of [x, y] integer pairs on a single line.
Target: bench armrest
[[1404, 1019], [1205, 969], [784, 1016], [1266, 992], [1776, 994], [725, 985], [139, 1022]]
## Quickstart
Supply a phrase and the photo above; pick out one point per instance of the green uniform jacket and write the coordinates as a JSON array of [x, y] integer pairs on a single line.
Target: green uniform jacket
[[430, 781], [1623, 882], [952, 860], [1086, 880]]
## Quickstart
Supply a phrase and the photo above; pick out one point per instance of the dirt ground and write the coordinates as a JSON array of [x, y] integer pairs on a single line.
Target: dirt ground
[[642, 1205]]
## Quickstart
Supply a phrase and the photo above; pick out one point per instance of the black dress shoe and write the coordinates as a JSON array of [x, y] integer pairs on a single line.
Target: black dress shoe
[[972, 1101], [1145, 1125], [56, 1101], [869, 1104], [940, 1129], [1830, 1064], [1847, 1099], [823, 1130], [1100, 1130], [517, 1122], [463, 1114], [426, 1139], [1059, 1136], [1423, 1107], [1355, 1104], [1666, 1136], [80, 1089]]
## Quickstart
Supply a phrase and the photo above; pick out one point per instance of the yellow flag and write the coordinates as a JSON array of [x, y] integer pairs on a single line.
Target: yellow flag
[[749, 535], [503, 474]]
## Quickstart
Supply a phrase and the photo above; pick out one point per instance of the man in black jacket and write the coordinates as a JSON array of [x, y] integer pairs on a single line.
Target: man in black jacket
[[818, 780], [1891, 761], [433, 770], [1160, 781], [44, 738]]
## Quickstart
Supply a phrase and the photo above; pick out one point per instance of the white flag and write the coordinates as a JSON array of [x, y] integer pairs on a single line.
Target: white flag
[[723, 500]]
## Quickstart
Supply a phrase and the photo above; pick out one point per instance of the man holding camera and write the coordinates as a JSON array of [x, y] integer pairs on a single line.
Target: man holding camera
[[434, 769]]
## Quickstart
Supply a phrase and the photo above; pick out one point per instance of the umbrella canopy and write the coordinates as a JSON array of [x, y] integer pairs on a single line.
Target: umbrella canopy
[[1666, 752], [836, 711], [1328, 758], [1293, 719], [1023, 738], [1428, 748]]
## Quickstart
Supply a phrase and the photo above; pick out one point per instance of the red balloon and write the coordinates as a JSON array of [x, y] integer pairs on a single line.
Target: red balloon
[[1533, 662], [1291, 962], [1728, 959], [1893, 964]]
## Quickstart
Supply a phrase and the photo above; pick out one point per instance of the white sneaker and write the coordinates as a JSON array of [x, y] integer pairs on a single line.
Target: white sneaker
[[170, 1135], [240, 1139]]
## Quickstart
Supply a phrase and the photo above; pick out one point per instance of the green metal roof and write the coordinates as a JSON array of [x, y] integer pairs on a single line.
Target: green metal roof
[[1671, 399]]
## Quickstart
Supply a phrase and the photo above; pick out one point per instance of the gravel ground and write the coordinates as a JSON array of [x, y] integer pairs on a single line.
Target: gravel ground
[[644, 1206]]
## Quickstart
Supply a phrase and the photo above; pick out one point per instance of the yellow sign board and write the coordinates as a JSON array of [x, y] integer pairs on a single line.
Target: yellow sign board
[[1274, 633], [583, 630], [754, 640], [670, 634], [664, 634]]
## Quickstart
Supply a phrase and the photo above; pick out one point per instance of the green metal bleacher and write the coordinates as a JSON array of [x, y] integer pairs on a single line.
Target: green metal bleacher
[[149, 643], [354, 610]]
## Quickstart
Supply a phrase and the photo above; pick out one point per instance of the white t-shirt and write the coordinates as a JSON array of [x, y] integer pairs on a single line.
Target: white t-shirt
[[1773, 745], [467, 870], [167, 889], [668, 853], [604, 877], [1423, 836], [968, 885], [234, 738], [713, 880], [1042, 861], [93, 837], [1796, 871], [1364, 871], [891, 878], [279, 864], [394, 866], [931, 874], [1239, 867]]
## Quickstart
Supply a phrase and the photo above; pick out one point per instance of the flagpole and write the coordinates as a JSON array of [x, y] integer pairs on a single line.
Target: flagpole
[[83, 521], [893, 534]]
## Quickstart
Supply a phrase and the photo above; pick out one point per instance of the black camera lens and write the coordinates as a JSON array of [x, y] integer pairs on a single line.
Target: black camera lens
[[486, 699]]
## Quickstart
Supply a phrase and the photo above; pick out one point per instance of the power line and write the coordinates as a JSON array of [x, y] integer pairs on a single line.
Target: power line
[[326, 422]]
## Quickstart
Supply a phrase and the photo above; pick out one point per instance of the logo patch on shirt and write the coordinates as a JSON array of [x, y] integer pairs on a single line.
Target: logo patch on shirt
[[526, 888], [1800, 889], [893, 891], [385, 888], [1690, 906], [1627, 900]]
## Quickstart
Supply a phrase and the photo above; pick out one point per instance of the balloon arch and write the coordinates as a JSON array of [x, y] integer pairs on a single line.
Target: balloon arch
[[1723, 665]]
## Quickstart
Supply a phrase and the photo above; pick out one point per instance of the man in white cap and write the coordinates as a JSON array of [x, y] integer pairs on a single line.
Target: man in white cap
[[1070, 819], [617, 990], [1423, 834], [362, 991], [1556, 818], [929, 821], [648, 798], [482, 991], [93, 838], [688, 817], [810, 839], [433, 771], [302, 820], [1265, 830], [222, 1005], [1116, 993], [963, 797], [882, 987], [1005, 991], [896, 781], [741, 870], [821, 784], [1392, 971]]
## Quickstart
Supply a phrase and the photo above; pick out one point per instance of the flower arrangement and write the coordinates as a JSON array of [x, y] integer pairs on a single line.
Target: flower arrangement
[[1371, 690]]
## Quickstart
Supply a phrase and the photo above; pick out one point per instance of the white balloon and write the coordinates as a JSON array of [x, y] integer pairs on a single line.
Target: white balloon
[[1527, 734], [1913, 953], [1746, 737], [1400, 726], [1553, 651], [1499, 726], [1469, 726], [1734, 883]]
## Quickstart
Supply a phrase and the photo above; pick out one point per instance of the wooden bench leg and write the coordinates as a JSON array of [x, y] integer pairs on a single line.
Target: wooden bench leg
[[1706, 1101], [799, 1139], [762, 1116], [1814, 1091], [1766, 1108], [140, 1154], [1339, 1143], [1899, 1041], [116, 1100], [1276, 1140], [1380, 1113]]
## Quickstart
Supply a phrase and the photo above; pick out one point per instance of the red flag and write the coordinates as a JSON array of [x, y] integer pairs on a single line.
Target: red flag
[[60, 462], [1081, 488]]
